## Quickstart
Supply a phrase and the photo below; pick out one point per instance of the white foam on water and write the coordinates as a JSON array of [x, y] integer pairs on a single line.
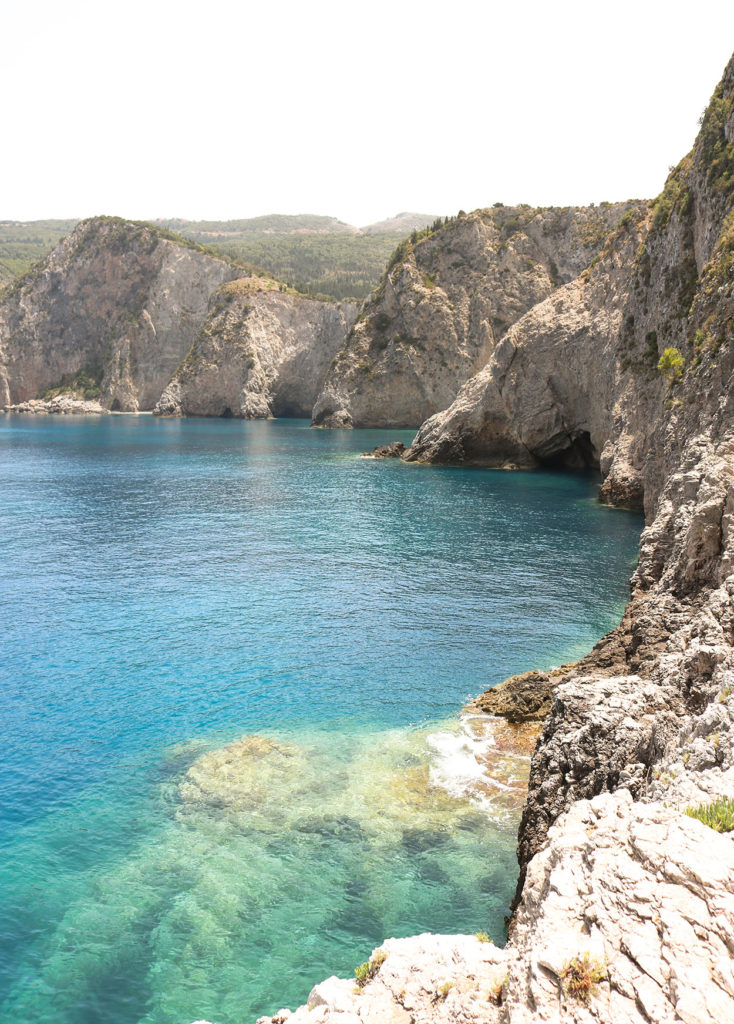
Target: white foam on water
[[462, 764]]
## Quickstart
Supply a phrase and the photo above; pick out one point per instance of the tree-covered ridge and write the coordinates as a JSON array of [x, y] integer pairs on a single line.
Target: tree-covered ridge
[[333, 266], [272, 224], [23, 243], [319, 256]]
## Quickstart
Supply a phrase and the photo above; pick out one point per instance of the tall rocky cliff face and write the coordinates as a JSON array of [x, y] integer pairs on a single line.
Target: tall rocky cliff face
[[448, 296], [147, 321], [260, 353], [625, 907], [115, 300], [577, 379]]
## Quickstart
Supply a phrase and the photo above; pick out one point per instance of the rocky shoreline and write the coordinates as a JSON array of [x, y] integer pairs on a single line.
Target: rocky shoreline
[[582, 337], [625, 905], [62, 405]]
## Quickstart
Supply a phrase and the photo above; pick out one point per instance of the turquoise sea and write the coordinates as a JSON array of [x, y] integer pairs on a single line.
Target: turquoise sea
[[232, 661]]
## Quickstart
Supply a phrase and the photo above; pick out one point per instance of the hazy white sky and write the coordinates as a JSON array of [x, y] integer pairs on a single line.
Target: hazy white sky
[[359, 110]]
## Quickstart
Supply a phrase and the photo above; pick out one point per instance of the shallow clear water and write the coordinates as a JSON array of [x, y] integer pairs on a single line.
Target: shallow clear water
[[170, 586]]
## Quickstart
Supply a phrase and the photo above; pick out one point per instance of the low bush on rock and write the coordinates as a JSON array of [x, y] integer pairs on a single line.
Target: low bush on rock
[[580, 977], [718, 815], [671, 364]]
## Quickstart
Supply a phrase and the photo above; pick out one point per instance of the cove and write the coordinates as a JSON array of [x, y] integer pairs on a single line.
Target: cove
[[233, 658]]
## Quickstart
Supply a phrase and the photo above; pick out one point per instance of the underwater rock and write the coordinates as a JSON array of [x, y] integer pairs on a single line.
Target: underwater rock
[[240, 775], [394, 450]]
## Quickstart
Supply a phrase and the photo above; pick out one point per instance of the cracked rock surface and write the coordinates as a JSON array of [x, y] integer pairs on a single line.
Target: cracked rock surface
[[642, 891]]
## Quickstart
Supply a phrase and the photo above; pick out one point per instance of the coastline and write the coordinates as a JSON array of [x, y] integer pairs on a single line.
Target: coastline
[[223, 872], [615, 878]]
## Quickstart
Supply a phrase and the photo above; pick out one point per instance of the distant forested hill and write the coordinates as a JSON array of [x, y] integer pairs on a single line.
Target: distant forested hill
[[24, 243], [317, 255], [339, 266]]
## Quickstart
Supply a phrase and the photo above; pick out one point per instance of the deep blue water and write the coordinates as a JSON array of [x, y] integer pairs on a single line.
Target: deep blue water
[[169, 586]]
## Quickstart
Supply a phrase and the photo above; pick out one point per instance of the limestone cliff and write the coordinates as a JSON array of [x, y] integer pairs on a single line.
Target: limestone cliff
[[261, 352], [118, 301], [578, 377], [448, 296], [625, 909]]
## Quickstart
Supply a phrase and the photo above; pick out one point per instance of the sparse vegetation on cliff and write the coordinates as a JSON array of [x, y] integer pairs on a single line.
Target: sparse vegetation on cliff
[[676, 196], [84, 383], [716, 150], [581, 975], [718, 815]]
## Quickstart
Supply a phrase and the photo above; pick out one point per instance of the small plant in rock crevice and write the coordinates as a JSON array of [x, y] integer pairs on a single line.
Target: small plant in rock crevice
[[497, 991], [442, 992], [369, 969], [581, 975]]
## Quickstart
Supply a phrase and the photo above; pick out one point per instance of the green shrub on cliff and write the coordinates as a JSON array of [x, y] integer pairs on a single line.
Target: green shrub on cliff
[[718, 815], [580, 977], [671, 364], [83, 383]]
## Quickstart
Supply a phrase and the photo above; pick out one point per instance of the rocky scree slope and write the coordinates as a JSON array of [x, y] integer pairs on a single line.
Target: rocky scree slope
[[261, 352], [625, 908], [448, 295], [117, 301]]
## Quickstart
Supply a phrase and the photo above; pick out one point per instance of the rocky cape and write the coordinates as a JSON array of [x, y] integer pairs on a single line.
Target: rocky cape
[[261, 352], [127, 317], [117, 301], [449, 294], [625, 905]]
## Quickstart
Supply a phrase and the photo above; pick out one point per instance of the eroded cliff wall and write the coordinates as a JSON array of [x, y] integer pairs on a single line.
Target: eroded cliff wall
[[115, 300], [261, 352], [448, 296]]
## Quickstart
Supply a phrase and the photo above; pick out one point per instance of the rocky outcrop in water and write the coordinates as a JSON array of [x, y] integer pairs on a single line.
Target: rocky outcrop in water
[[261, 352], [522, 698], [117, 301], [394, 450], [448, 296]]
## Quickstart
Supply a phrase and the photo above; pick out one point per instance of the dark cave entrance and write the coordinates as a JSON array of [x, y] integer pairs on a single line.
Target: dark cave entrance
[[579, 454]]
